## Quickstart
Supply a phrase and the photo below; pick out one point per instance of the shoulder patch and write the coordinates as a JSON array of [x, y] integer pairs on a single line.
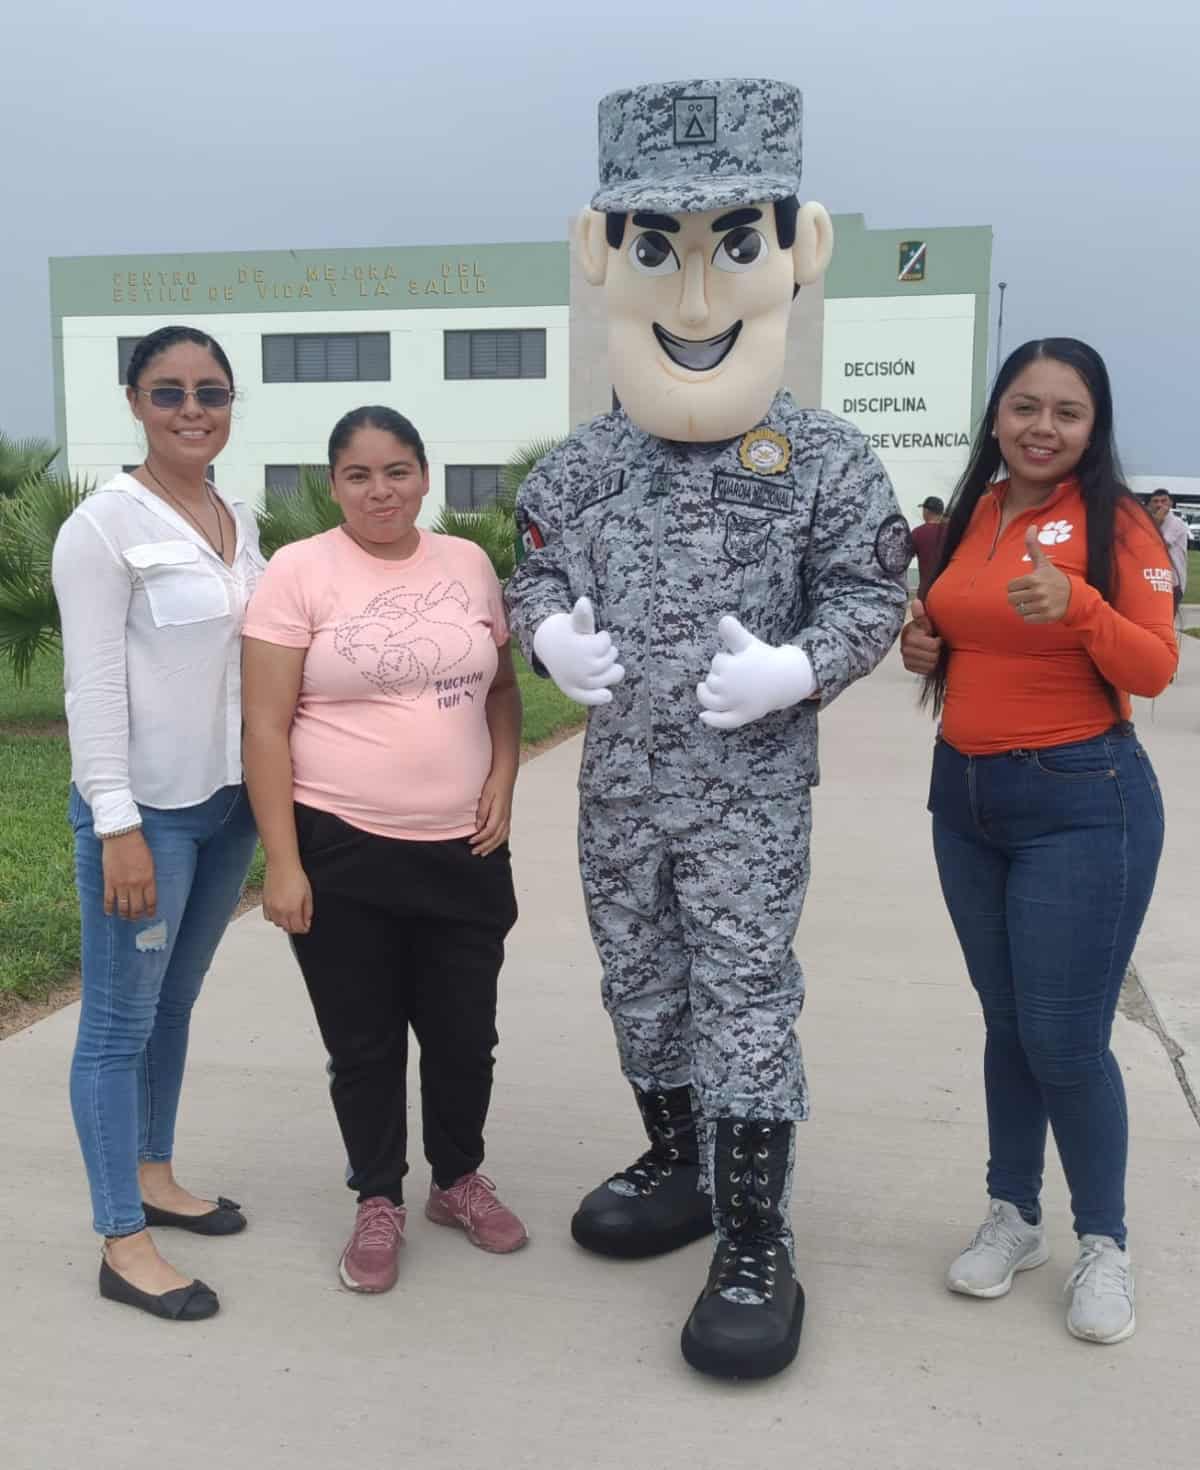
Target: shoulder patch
[[894, 546]]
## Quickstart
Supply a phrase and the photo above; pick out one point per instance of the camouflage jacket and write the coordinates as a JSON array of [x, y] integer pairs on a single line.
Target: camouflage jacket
[[794, 528]]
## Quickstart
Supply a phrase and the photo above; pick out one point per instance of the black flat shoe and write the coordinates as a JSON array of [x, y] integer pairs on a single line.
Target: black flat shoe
[[185, 1304], [226, 1219]]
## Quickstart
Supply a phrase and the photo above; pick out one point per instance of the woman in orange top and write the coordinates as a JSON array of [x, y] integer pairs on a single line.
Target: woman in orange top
[[1052, 604]]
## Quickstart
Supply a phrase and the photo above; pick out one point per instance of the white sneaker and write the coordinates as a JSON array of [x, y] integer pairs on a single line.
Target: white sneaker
[[1004, 1244], [1101, 1288]]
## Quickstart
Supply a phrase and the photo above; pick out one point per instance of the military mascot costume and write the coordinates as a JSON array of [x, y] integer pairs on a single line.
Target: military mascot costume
[[705, 567]]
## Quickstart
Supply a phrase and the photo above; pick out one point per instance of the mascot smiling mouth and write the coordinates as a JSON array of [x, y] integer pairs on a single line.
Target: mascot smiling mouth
[[699, 357]]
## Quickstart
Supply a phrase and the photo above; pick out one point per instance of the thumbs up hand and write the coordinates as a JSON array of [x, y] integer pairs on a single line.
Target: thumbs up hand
[[920, 646], [582, 662], [751, 678], [1045, 594]]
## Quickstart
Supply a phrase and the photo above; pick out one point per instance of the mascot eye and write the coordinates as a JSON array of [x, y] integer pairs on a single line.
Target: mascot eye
[[651, 254], [740, 250]]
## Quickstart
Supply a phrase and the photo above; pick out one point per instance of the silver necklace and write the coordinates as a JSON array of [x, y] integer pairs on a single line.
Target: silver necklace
[[218, 547]]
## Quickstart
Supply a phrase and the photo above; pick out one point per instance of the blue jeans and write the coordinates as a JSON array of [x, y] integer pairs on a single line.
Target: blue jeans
[[141, 978], [1047, 860]]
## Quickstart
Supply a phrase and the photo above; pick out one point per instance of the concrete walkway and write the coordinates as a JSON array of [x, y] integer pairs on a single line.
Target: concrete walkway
[[553, 1358]]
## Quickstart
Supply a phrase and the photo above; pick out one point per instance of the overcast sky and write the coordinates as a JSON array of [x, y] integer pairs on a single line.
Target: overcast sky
[[1070, 126]]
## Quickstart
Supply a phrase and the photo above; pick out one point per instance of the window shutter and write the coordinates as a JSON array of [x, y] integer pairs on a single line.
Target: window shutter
[[282, 479], [458, 486], [533, 353], [125, 347], [483, 354], [508, 354], [458, 354], [310, 360], [279, 359], [374, 357], [341, 359], [485, 485]]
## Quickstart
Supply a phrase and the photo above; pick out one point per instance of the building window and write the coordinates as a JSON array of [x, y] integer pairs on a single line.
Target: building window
[[519, 354], [284, 479], [125, 346], [327, 357], [471, 486]]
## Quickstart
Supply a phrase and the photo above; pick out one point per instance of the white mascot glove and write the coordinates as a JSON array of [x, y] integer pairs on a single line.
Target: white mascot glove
[[582, 662], [752, 679]]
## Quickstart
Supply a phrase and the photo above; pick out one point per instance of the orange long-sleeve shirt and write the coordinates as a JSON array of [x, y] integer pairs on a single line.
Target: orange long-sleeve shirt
[[1015, 685]]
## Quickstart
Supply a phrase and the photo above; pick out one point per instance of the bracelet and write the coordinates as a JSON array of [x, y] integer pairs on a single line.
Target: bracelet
[[120, 832]]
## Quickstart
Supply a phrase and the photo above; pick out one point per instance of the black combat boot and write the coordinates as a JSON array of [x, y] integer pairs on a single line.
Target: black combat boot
[[746, 1323], [656, 1204]]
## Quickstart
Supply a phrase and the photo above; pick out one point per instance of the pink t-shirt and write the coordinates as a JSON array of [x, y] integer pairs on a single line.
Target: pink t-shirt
[[390, 732]]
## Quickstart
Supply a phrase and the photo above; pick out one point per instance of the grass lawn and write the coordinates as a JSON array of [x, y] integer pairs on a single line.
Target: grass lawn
[[1191, 593], [39, 922]]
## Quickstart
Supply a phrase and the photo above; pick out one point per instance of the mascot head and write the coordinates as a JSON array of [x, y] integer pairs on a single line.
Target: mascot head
[[700, 242]]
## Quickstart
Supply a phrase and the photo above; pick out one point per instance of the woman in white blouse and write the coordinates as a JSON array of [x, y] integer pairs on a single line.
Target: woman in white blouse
[[152, 575]]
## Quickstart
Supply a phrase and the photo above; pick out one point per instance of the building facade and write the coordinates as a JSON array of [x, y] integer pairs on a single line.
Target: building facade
[[469, 343], [489, 347]]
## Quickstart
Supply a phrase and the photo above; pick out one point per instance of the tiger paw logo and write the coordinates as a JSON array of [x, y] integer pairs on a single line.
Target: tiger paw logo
[[1053, 533], [402, 641]]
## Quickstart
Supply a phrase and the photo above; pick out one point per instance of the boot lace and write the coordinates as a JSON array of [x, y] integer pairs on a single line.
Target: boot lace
[[655, 1165], [751, 1256]]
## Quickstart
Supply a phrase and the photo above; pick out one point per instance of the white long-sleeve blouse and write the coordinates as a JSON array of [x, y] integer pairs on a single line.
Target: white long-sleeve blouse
[[152, 622]]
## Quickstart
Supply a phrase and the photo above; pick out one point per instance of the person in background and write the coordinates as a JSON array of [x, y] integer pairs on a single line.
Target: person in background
[[152, 574], [1173, 528], [382, 737], [927, 540], [1050, 605]]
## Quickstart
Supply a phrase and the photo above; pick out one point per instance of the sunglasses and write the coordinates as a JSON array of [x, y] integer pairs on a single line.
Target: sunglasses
[[207, 397]]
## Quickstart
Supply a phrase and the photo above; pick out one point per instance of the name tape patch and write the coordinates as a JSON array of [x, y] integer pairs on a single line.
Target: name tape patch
[[602, 489], [744, 490]]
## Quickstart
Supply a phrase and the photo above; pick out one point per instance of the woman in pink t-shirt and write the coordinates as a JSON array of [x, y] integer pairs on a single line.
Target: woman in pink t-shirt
[[382, 730]]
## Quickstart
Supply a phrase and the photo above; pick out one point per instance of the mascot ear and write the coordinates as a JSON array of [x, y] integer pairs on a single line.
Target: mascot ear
[[591, 245], [813, 249]]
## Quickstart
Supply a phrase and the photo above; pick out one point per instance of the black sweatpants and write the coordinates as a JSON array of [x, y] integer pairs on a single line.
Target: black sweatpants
[[404, 934]]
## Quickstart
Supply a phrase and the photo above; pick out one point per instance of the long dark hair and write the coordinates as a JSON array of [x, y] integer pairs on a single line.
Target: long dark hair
[[1099, 474]]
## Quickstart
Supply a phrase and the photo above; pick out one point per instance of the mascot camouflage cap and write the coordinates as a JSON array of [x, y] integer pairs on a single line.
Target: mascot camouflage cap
[[684, 147]]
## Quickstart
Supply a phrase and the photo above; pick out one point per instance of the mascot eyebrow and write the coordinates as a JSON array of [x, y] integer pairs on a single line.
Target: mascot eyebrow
[[786, 211], [648, 221]]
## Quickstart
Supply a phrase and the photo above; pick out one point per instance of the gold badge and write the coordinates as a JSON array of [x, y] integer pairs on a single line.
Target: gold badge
[[764, 452]]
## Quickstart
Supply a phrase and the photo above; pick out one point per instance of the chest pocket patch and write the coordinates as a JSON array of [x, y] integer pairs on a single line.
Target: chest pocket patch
[[746, 540], [182, 586]]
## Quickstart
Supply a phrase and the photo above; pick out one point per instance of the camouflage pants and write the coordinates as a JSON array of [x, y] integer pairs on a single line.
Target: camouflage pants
[[693, 909]]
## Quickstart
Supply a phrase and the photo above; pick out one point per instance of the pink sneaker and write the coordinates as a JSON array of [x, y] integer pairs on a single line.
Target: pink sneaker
[[369, 1262], [471, 1204]]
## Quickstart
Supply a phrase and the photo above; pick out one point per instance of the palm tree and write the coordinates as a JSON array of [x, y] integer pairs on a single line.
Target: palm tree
[[22, 458], [30, 520], [494, 527], [512, 475], [294, 515], [491, 528]]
